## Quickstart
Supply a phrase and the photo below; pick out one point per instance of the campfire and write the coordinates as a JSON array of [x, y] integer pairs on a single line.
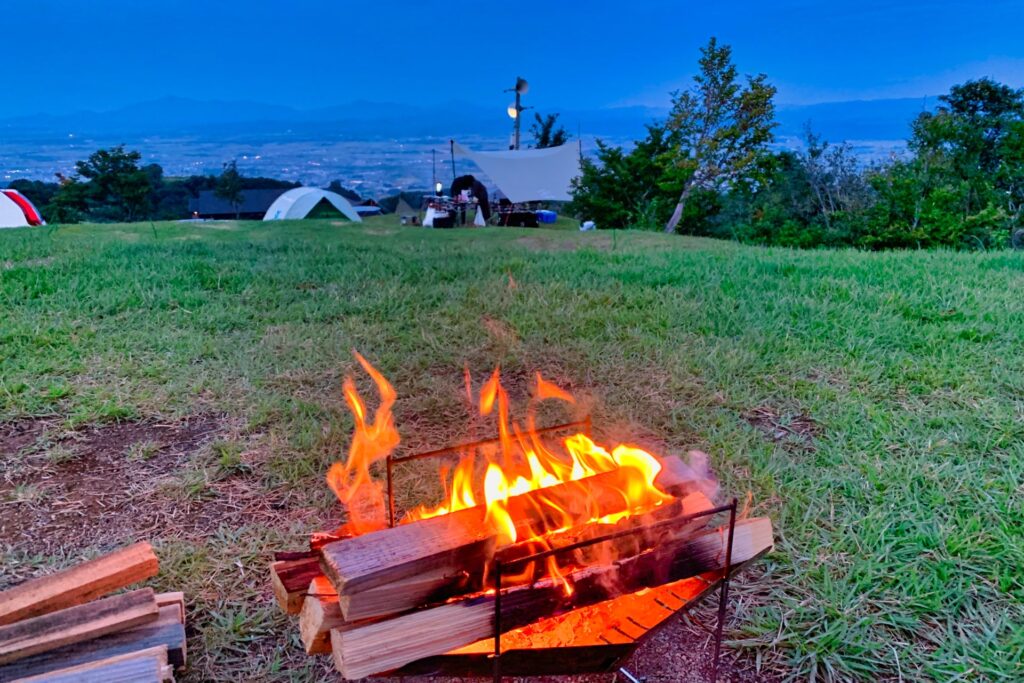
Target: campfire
[[546, 539]]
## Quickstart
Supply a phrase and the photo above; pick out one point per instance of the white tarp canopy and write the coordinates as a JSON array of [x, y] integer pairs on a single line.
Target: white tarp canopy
[[528, 175], [297, 203]]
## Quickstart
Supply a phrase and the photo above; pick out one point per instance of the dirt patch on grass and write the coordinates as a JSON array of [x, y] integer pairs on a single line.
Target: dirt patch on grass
[[545, 243], [30, 263], [109, 481], [797, 431]]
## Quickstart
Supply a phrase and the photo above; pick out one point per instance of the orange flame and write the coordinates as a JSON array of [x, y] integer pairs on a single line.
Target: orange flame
[[521, 464], [351, 481]]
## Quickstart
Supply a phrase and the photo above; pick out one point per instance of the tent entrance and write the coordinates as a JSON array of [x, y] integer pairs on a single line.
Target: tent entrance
[[324, 209]]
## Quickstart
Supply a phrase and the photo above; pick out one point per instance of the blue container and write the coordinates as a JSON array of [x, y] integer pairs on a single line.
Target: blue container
[[545, 216]]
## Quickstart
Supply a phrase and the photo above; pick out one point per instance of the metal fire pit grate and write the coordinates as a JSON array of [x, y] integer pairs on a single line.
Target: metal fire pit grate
[[615, 645]]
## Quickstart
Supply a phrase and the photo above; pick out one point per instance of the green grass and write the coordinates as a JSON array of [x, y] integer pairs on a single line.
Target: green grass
[[900, 523]]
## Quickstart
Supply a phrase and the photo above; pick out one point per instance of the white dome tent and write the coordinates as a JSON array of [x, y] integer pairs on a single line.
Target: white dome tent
[[298, 203], [16, 211]]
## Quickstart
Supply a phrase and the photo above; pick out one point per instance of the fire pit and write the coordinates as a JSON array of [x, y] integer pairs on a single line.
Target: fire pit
[[548, 555]]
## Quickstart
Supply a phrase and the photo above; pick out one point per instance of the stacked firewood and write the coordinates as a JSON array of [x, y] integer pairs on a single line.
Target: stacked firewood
[[60, 628], [386, 599]]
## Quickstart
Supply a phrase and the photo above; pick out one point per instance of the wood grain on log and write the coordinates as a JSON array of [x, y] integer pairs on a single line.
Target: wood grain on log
[[79, 584], [76, 624], [291, 578], [320, 613], [166, 631], [144, 665]]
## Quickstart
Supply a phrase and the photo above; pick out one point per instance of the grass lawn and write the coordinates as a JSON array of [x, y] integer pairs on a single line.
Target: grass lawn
[[872, 404]]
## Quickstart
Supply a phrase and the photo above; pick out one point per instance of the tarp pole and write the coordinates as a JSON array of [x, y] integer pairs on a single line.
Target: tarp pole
[[452, 143]]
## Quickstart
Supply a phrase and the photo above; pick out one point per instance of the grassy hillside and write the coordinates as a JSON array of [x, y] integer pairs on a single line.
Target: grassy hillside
[[872, 404]]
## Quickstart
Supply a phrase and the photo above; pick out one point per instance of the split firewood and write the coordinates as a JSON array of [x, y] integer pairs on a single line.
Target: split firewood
[[396, 597], [385, 645], [134, 667], [450, 543], [176, 599], [291, 578], [79, 584], [438, 585], [320, 613], [167, 631], [77, 624]]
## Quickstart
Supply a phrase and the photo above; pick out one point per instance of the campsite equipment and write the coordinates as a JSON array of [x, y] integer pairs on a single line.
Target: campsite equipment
[[574, 554], [303, 201], [545, 216], [16, 211], [529, 175]]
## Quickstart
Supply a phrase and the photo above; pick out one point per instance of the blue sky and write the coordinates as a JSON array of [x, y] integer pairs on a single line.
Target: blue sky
[[102, 54]]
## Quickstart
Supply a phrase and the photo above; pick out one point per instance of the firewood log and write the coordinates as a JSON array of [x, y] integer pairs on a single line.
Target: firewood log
[[142, 666], [79, 584], [77, 624], [290, 579], [320, 613], [385, 645], [166, 631]]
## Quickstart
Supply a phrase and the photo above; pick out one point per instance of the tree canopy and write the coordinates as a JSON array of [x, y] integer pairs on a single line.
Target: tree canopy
[[709, 170], [547, 133]]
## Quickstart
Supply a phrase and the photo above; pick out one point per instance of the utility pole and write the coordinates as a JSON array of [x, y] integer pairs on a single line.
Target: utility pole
[[519, 114], [516, 110]]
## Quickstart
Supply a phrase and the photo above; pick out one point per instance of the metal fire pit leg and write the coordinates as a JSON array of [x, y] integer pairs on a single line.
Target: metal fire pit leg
[[497, 621], [391, 491], [628, 677], [723, 592]]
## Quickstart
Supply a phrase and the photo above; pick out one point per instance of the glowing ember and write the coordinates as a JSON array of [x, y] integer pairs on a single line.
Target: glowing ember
[[522, 463]]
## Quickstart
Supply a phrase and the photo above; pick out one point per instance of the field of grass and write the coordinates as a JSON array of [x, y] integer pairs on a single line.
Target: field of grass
[[871, 403]]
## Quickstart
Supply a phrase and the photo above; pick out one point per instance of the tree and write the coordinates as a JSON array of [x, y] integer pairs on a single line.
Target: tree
[[117, 189], [229, 186], [631, 189], [348, 194], [545, 134], [723, 127], [70, 203], [969, 155], [834, 178]]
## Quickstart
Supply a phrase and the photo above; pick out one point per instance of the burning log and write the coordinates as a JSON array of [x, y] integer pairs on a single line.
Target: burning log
[[320, 613], [448, 544], [290, 579], [385, 645], [396, 597]]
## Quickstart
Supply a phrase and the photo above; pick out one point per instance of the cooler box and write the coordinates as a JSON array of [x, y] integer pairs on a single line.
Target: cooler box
[[545, 216]]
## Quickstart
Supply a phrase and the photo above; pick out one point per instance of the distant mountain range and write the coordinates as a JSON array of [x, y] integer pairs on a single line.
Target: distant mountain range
[[874, 120]]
